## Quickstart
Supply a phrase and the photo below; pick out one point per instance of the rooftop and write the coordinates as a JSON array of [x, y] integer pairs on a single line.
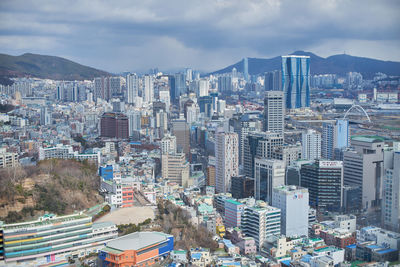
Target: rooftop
[[137, 241]]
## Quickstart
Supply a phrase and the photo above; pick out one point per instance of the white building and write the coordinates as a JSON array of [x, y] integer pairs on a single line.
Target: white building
[[168, 144], [8, 159], [165, 98], [132, 87], [274, 111], [66, 152], [311, 142], [148, 89], [293, 203], [227, 160], [261, 222], [204, 85]]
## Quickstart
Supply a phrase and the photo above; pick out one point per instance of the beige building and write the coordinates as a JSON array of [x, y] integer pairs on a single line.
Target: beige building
[[8, 159], [175, 168]]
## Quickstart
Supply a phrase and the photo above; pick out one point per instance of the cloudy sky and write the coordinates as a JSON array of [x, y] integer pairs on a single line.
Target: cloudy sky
[[129, 35]]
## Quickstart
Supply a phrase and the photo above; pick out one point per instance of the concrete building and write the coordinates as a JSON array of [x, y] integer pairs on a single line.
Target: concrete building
[[293, 203], [274, 112], [175, 168], [227, 160], [324, 180], [261, 145], [180, 129], [242, 187], [132, 87], [269, 173], [391, 190], [233, 213], [363, 168], [137, 249], [114, 125], [148, 89], [66, 152], [8, 159], [261, 222], [311, 145], [289, 153], [168, 144]]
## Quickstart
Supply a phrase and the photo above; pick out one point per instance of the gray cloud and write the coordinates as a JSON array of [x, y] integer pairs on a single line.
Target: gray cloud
[[204, 34]]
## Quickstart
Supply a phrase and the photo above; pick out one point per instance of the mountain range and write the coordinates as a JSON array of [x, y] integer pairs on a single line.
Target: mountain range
[[337, 64], [41, 66], [58, 68]]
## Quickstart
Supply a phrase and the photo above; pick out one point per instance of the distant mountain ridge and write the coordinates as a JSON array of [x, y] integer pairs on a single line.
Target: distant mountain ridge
[[336, 64], [46, 67]]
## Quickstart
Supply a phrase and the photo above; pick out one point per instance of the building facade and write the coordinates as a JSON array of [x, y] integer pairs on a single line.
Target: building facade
[[227, 160], [274, 112]]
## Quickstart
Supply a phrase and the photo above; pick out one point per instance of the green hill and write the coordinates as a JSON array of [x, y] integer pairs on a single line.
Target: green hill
[[46, 67]]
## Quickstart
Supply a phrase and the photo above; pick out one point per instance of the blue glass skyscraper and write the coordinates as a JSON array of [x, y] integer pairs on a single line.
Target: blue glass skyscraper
[[246, 69], [296, 81]]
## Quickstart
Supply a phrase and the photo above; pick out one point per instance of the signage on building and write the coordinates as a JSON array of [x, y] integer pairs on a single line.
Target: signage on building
[[330, 164]]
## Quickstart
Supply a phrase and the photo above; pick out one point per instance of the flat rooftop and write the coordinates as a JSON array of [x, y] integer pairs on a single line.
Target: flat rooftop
[[137, 241]]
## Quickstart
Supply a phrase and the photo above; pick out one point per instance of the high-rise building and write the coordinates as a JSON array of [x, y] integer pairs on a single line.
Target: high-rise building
[[391, 190], [165, 98], [106, 87], [203, 87], [273, 81], [324, 181], [175, 168], [311, 145], [363, 168], [274, 111], [289, 153], [259, 144], [296, 81], [168, 144], [180, 85], [335, 135], [261, 222], [242, 187], [246, 69], [227, 160], [293, 203], [224, 83], [132, 87], [182, 132], [135, 122], [269, 173], [114, 125], [45, 116], [148, 89]]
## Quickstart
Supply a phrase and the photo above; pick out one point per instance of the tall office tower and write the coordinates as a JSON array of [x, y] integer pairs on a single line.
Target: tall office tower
[[171, 85], [243, 124], [114, 125], [148, 89], [311, 144], [391, 190], [45, 116], [293, 203], [221, 107], [324, 181], [296, 81], [168, 144], [261, 222], [242, 187], [192, 113], [227, 160], [135, 122], [115, 84], [182, 132], [189, 74], [204, 85], [211, 171], [205, 104], [259, 144], [246, 69], [234, 73], [224, 83], [132, 87], [175, 168], [99, 88], [335, 135], [165, 98], [273, 81], [180, 85], [274, 112], [363, 168], [269, 173]]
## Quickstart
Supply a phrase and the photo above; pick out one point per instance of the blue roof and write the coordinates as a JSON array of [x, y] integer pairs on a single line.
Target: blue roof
[[196, 256], [286, 262], [231, 264], [373, 246], [352, 246], [386, 251], [306, 258]]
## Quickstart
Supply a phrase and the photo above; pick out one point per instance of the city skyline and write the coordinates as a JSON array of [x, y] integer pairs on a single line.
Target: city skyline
[[173, 35]]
